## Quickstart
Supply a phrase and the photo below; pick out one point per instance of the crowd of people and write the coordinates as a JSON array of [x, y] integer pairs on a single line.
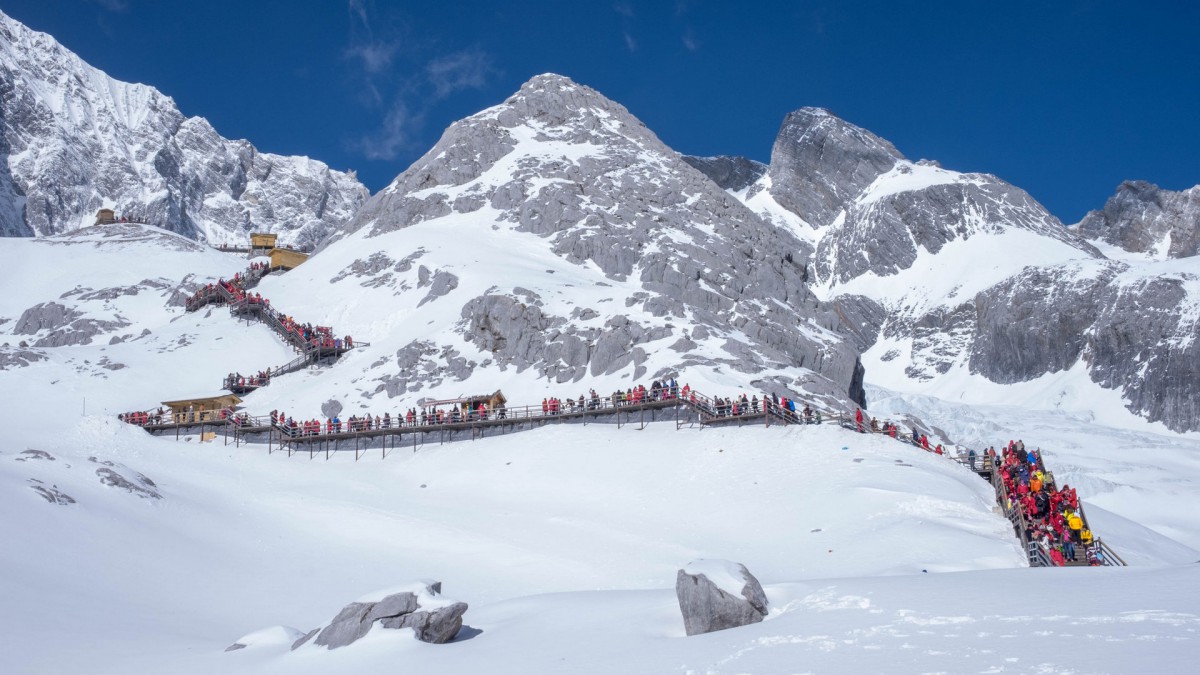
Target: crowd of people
[[304, 337], [1050, 516], [232, 290], [142, 418], [239, 381]]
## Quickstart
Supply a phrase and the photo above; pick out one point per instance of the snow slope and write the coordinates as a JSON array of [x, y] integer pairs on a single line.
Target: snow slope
[[135, 554], [565, 543]]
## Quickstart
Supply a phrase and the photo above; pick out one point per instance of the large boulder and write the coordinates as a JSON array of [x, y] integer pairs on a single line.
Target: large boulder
[[420, 606], [718, 594]]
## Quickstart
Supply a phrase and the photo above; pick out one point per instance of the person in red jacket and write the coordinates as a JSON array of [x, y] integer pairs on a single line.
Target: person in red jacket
[[1056, 557]]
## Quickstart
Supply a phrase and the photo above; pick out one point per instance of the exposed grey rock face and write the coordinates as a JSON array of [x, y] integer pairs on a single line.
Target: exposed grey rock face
[[438, 626], [560, 161], [331, 408], [1055, 303], [99, 143], [15, 357], [45, 316], [347, 627], [432, 618], [707, 607], [862, 319], [820, 163], [51, 493], [1137, 333], [885, 235], [729, 173], [1144, 218], [62, 326], [305, 638], [140, 486]]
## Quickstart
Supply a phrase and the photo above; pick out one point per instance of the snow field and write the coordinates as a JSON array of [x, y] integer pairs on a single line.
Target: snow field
[[242, 541]]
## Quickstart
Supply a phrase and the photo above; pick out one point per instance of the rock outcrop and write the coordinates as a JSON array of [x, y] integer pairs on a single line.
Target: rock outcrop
[[433, 618], [729, 173], [1135, 329], [73, 140], [820, 163], [718, 594], [1144, 218]]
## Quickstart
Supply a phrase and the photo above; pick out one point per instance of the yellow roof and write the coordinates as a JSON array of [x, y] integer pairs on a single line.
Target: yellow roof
[[220, 400]]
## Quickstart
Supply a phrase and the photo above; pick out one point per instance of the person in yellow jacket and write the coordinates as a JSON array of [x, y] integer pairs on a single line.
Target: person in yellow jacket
[[1086, 537], [1075, 524]]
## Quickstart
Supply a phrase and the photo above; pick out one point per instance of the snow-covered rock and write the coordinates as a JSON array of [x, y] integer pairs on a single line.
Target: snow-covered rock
[[718, 594], [74, 141], [418, 606], [1145, 219]]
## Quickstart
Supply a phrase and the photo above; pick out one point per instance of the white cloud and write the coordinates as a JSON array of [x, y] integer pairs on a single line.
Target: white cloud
[[394, 136], [397, 80], [375, 54], [113, 5], [690, 41], [458, 71], [376, 57]]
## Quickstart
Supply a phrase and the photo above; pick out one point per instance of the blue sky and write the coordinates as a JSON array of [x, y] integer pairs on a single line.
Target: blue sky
[[1064, 98]]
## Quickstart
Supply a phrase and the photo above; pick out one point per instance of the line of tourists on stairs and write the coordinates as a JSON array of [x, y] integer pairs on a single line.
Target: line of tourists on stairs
[[1050, 516]]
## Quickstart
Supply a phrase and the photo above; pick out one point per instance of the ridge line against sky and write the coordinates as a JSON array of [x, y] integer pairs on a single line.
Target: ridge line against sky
[[1065, 99]]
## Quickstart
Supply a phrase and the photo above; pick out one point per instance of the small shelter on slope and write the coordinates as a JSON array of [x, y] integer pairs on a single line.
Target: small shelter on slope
[[286, 258], [465, 404], [202, 408], [106, 217], [262, 243]]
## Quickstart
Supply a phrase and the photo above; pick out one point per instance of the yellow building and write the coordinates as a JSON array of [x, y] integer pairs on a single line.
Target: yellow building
[[263, 240], [202, 408], [286, 258], [468, 403]]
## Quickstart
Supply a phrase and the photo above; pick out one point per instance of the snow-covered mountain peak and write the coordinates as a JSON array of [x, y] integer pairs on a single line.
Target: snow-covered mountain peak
[[75, 140], [556, 234], [1146, 221], [954, 282], [820, 161]]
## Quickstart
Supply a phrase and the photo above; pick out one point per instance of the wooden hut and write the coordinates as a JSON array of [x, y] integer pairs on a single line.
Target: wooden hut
[[286, 258], [263, 240], [106, 217], [467, 403], [201, 408]]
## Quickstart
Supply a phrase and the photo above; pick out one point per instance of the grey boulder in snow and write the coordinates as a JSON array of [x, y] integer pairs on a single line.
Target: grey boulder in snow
[[432, 618], [718, 594]]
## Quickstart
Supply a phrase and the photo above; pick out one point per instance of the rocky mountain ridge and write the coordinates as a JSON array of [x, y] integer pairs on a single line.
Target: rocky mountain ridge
[[74, 140], [938, 273], [1145, 219]]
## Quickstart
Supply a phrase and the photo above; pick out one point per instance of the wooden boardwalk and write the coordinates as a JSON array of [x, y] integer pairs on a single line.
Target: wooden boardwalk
[[686, 408]]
